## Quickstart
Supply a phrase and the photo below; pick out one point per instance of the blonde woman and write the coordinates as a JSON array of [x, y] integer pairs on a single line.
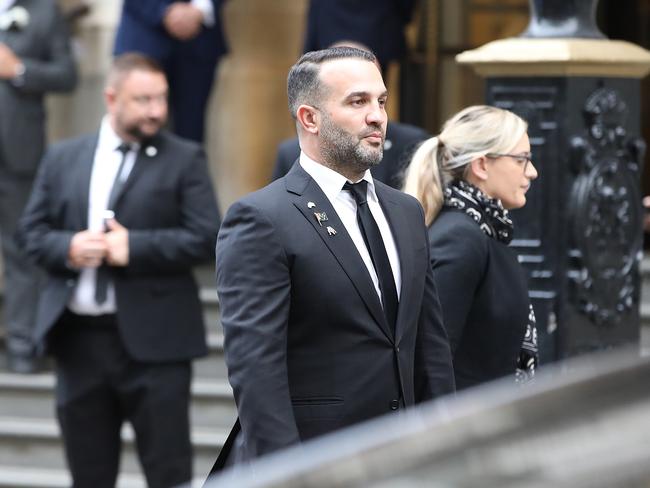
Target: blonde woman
[[467, 178]]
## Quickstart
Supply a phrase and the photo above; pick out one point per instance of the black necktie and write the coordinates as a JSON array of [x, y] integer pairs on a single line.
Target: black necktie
[[118, 182], [103, 272], [375, 244]]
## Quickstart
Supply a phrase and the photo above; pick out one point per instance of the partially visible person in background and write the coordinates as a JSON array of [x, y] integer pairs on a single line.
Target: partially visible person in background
[[187, 38], [646, 214], [35, 59], [399, 145], [379, 24], [118, 219], [467, 178]]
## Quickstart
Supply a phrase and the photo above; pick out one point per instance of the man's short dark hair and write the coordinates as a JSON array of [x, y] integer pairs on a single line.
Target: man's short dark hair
[[129, 62], [303, 83]]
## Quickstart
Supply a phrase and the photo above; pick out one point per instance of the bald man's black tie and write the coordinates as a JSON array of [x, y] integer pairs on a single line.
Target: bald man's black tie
[[375, 245]]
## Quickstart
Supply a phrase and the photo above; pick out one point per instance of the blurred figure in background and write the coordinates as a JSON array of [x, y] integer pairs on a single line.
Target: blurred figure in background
[[467, 178], [378, 24], [35, 59], [187, 38], [118, 219]]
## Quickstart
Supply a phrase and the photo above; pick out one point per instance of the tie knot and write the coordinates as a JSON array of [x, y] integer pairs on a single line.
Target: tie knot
[[124, 147], [359, 191]]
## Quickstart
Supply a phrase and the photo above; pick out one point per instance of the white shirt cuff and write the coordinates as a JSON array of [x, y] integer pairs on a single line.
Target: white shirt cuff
[[207, 9]]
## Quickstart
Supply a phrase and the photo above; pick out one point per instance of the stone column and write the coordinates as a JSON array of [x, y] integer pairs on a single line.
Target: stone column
[[580, 235], [81, 111], [248, 113]]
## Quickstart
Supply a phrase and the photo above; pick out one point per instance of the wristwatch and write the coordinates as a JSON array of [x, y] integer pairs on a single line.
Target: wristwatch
[[19, 78]]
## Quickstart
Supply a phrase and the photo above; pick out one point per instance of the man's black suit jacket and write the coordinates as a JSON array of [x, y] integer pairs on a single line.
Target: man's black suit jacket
[[401, 142], [307, 344], [169, 207]]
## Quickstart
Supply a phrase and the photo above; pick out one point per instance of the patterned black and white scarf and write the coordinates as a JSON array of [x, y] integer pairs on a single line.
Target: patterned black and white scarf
[[495, 222]]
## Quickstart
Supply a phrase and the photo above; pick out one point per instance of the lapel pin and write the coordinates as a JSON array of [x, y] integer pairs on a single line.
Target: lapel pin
[[321, 217], [151, 151], [311, 204], [331, 231]]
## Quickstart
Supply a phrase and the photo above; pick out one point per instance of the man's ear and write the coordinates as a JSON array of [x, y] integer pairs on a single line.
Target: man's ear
[[109, 96], [478, 168], [308, 118]]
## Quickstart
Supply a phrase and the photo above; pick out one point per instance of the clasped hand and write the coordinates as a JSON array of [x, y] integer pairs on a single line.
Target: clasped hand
[[89, 249], [8, 62], [183, 21]]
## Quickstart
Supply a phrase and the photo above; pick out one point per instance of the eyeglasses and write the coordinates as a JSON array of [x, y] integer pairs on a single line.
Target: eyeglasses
[[146, 100], [523, 159]]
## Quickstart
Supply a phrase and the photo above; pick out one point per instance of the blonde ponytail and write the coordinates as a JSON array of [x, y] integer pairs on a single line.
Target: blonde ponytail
[[422, 179]]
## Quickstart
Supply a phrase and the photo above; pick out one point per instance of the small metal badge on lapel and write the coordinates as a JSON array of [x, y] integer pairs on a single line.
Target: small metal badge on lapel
[[331, 230], [311, 204], [151, 151], [321, 217]]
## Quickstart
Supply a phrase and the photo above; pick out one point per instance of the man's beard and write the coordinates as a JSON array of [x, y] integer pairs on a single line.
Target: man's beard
[[343, 149], [135, 130]]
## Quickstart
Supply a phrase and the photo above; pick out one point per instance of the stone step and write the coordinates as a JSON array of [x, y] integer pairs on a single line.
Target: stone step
[[212, 366], [36, 443], [210, 301], [30, 477], [32, 397]]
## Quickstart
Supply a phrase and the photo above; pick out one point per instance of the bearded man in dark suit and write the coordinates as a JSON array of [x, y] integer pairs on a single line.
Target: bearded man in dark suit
[[35, 59], [118, 219], [328, 305]]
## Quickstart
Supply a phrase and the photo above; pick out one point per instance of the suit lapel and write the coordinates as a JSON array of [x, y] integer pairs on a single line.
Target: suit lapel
[[148, 154], [85, 160], [398, 221], [306, 190]]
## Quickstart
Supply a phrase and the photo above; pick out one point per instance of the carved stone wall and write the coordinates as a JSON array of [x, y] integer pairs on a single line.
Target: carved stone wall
[[605, 216]]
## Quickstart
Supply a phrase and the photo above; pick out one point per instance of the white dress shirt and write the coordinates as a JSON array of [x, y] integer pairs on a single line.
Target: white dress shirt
[[343, 202], [207, 9], [105, 165]]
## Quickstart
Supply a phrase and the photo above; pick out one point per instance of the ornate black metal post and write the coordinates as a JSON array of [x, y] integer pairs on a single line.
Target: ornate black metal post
[[579, 236]]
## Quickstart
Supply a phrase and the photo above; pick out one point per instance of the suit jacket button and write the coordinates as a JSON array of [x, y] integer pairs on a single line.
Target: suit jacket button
[[394, 404]]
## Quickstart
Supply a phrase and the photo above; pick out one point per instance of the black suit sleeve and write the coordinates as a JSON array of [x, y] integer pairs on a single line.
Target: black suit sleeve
[[288, 152], [406, 8], [458, 259], [42, 241], [55, 70], [434, 372], [192, 241], [253, 281]]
